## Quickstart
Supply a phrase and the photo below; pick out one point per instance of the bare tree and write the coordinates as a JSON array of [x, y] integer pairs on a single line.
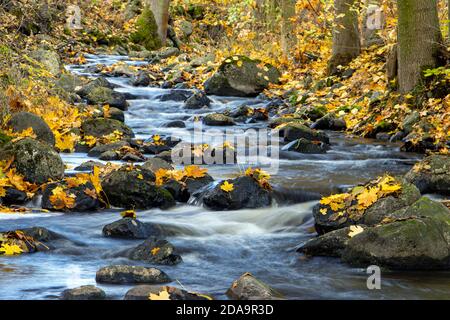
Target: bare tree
[[419, 40]]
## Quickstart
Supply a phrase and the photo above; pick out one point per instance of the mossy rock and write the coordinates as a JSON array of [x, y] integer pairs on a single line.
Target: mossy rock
[[295, 130], [431, 175], [100, 127], [35, 160], [103, 96], [147, 31], [23, 120]]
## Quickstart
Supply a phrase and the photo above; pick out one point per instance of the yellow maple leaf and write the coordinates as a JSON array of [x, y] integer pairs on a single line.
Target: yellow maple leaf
[[367, 198], [129, 214], [10, 250], [355, 230], [227, 187], [163, 295], [194, 172], [155, 251]]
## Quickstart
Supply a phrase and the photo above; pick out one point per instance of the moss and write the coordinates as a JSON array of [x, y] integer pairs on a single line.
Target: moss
[[4, 138], [147, 31]]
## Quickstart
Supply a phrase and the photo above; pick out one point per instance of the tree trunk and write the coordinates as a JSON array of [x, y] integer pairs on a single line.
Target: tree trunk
[[346, 38], [160, 9], [419, 40], [287, 26]]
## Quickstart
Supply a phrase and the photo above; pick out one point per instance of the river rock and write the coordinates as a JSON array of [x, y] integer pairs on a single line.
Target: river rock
[[84, 293], [116, 114], [141, 79], [83, 202], [241, 76], [330, 122], [432, 175], [154, 251], [49, 60], [143, 293], [89, 166], [247, 193], [154, 164], [131, 274], [306, 146], [109, 156], [35, 160], [182, 191], [102, 148], [218, 119], [24, 120], [373, 215], [197, 101], [295, 131], [103, 95], [100, 82], [175, 95], [247, 287], [330, 244], [135, 189], [129, 228], [13, 197], [100, 127], [174, 124], [69, 82]]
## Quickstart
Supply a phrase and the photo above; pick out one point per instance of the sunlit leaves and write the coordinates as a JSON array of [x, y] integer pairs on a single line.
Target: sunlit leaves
[[162, 295], [10, 249], [355, 230], [189, 172], [129, 214], [227, 187]]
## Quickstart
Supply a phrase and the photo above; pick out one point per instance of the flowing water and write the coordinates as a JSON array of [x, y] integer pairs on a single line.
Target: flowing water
[[217, 247]]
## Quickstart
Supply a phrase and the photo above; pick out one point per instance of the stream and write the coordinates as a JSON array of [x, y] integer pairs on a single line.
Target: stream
[[218, 247]]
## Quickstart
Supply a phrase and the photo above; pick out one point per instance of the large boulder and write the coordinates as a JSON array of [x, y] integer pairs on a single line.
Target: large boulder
[[327, 219], [24, 120], [330, 244], [431, 175], [49, 60], [135, 189], [84, 293], [119, 274], [103, 95], [147, 31], [101, 127], [35, 160], [145, 291], [241, 76], [182, 191], [100, 82], [246, 193], [129, 228], [154, 251], [247, 287]]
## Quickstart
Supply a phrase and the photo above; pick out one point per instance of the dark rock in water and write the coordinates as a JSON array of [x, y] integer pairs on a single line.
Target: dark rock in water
[[24, 120], [295, 131], [130, 274], [13, 197], [84, 293], [414, 244], [165, 155], [413, 142], [197, 101], [42, 234], [116, 114], [109, 156], [241, 76], [100, 82], [143, 293], [247, 287], [398, 136], [131, 157], [89, 166], [331, 244], [175, 95], [154, 164], [100, 127], [383, 136], [129, 228], [218, 119], [101, 148], [432, 175], [155, 148], [174, 124], [135, 189], [35, 160], [313, 113], [154, 251], [83, 202], [279, 121], [306, 146], [102, 96], [142, 79], [330, 122], [247, 193], [373, 215], [69, 82], [182, 191]]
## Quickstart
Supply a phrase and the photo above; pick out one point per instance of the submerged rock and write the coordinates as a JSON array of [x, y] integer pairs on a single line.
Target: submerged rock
[[131, 274], [218, 119], [175, 95], [143, 293], [431, 175], [182, 192], [24, 120], [129, 228], [197, 101], [154, 251], [241, 76], [84, 293], [295, 131], [35, 160], [247, 193], [247, 287], [306, 146], [135, 189]]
